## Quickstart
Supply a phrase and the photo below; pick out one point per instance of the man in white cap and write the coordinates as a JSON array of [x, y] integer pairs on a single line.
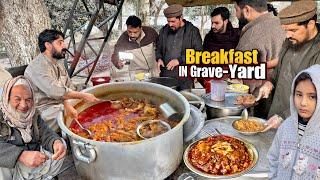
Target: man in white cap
[[28, 148]]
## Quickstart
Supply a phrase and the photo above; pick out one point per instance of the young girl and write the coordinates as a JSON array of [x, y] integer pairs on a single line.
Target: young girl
[[295, 151]]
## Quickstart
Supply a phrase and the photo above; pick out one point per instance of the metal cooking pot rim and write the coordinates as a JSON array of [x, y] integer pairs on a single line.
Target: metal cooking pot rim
[[165, 81]]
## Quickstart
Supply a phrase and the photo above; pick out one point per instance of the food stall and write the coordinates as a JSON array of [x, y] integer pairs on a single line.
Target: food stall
[[161, 156], [172, 153]]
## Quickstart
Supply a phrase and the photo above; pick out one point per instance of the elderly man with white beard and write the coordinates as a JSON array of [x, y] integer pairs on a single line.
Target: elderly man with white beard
[[28, 148]]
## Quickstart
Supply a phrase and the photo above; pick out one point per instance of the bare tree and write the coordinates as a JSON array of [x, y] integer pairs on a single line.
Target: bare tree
[[202, 12], [155, 7], [20, 23], [120, 21], [204, 19], [144, 11]]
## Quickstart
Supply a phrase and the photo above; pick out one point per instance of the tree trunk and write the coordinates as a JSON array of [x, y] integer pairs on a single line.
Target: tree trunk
[[157, 13], [120, 21], [21, 21], [144, 11], [156, 17], [203, 21]]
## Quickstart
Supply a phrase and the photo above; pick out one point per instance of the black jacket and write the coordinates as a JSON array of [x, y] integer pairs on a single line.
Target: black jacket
[[191, 40], [228, 40]]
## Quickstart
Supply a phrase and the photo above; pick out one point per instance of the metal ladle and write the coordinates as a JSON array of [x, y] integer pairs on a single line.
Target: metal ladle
[[84, 129], [170, 113], [244, 114], [210, 134], [111, 101]]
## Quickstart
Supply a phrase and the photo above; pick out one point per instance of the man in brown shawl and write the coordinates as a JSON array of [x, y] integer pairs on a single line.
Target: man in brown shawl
[[262, 32], [28, 148]]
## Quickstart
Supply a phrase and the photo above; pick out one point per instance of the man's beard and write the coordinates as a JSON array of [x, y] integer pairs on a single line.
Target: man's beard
[[242, 20], [173, 31], [297, 45], [58, 55], [218, 31], [17, 114]]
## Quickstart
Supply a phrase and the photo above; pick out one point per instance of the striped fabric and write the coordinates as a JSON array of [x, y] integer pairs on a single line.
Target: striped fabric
[[301, 127]]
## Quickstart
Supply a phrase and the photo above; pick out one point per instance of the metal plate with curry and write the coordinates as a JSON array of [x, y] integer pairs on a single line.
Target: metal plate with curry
[[251, 126], [226, 148]]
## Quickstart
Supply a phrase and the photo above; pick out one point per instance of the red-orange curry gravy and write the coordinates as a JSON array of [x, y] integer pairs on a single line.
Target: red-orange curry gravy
[[116, 122]]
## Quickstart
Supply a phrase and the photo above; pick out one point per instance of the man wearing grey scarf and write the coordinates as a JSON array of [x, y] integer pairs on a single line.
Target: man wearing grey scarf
[[28, 148]]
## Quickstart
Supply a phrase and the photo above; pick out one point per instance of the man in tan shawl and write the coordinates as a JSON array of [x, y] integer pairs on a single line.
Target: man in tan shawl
[[51, 83], [28, 148]]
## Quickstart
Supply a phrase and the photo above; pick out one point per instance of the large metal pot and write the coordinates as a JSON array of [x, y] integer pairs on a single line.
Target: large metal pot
[[154, 158]]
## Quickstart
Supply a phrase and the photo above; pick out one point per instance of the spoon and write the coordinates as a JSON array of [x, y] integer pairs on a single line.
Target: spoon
[[169, 112], [111, 101], [210, 134], [244, 114], [217, 131], [84, 129]]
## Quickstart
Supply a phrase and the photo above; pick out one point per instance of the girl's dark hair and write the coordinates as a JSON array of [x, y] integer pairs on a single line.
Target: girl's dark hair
[[48, 35], [303, 76]]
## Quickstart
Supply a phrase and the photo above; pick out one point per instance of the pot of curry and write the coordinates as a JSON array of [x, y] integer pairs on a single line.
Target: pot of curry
[[114, 150]]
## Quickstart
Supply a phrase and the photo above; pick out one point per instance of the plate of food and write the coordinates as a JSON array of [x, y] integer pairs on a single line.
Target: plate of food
[[220, 156], [245, 100], [238, 88], [250, 126]]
